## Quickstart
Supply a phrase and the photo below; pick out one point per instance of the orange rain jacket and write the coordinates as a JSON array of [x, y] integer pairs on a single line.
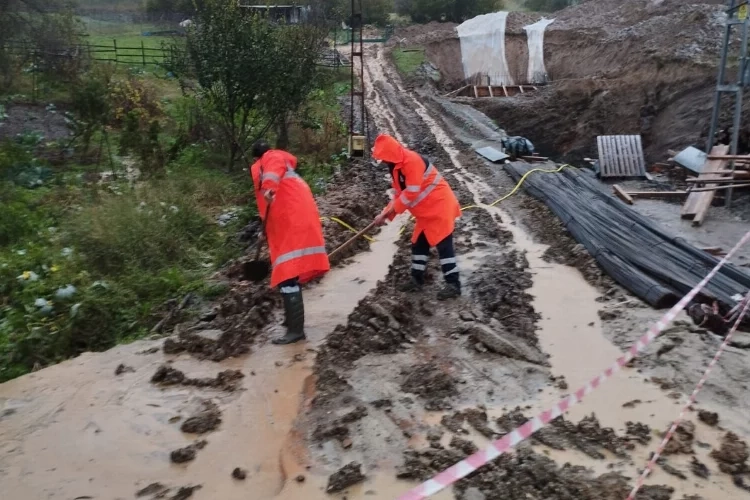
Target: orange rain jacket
[[420, 189], [293, 229]]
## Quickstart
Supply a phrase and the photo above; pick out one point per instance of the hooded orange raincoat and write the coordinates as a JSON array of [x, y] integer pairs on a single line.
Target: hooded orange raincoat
[[293, 229], [420, 189]]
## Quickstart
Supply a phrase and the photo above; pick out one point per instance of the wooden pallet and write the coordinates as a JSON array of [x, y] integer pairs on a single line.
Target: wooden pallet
[[621, 156], [697, 204]]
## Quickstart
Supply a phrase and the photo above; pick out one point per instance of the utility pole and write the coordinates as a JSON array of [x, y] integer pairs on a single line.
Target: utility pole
[[737, 17], [357, 138]]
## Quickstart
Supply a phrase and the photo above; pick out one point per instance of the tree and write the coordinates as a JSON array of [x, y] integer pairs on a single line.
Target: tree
[[251, 72], [44, 27], [422, 11]]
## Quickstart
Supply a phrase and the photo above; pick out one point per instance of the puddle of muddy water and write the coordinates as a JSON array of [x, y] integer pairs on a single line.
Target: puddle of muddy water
[[570, 332], [77, 430]]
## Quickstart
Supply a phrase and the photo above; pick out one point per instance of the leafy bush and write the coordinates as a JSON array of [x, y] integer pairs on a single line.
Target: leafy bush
[[150, 230], [446, 10]]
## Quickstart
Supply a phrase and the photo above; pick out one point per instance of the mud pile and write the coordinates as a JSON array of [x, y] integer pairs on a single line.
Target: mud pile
[[616, 68]]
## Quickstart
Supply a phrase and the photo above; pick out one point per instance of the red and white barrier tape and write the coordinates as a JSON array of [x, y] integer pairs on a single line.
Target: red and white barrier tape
[[690, 402], [510, 440]]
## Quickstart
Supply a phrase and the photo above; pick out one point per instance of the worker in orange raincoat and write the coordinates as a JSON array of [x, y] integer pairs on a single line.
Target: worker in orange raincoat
[[421, 190], [293, 229]]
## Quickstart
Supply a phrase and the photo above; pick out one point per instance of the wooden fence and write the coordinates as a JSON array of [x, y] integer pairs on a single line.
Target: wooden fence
[[119, 54]]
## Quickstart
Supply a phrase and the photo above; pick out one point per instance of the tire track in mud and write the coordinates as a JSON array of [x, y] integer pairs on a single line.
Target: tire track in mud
[[406, 422]]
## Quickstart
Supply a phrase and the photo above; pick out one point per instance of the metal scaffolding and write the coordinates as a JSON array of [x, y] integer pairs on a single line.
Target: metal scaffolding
[[737, 17]]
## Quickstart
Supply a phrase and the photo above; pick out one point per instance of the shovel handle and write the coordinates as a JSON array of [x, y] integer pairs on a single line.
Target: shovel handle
[[352, 240], [262, 237]]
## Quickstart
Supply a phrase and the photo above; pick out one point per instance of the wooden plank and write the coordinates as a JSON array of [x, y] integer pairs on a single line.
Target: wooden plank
[[476, 95], [535, 158], [696, 201], [656, 194], [719, 188], [729, 157], [505, 90], [706, 198], [490, 89], [620, 193], [724, 180]]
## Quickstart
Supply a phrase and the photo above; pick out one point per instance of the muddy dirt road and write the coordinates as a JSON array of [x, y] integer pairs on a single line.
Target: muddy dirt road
[[400, 384]]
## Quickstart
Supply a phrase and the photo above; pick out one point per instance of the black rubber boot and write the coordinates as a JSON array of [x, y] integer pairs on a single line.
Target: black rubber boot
[[294, 312], [451, 290]]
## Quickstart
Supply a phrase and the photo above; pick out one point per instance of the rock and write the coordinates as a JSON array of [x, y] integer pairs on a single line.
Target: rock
[[211, 335], [467, 316], [474, 494], [152, 489], [699, 469], [187, 453], [348, 475], [121, 368], [209, 315], [609, 314], [239, 474], [501, 343], [732, 455], [205, 420], [682, 440], [709, 418]]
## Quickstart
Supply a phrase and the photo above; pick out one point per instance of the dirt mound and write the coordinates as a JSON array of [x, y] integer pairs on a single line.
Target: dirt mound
[[348, 475], [381, 323], [355, 196], [428, 381], [732, 455], [616, 68], [206, 419], [228, 380], [501, 291], [588, 435], [188, 453], [522, 475]]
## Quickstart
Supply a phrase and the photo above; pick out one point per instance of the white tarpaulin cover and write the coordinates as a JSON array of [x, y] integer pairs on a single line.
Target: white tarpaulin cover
[[483, 48], [535, 34]]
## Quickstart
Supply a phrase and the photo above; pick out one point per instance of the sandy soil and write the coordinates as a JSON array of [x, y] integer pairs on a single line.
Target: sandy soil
[[392, 388]]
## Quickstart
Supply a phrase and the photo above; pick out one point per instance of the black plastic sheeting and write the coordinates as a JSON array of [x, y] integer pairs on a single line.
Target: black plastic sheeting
[[655, 266]]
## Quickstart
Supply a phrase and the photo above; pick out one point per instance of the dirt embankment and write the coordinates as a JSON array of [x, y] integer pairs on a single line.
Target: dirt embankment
[[615, 68]]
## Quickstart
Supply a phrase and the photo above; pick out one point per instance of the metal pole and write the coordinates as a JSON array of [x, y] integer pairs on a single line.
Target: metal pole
[[362, 68], [720, 81], [738, 103], [351, 111]]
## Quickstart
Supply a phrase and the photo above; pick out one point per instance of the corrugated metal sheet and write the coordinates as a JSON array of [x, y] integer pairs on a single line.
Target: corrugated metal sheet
[[621, 156], [492, 154]]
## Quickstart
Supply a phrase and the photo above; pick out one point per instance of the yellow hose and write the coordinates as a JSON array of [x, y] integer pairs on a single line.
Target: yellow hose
[[512, 192], [469, 207], [347, 226]]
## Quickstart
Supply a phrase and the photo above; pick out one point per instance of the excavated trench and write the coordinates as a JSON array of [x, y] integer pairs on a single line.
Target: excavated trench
[[615, 67]]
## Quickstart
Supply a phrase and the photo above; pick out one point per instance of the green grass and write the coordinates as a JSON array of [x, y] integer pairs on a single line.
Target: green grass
[[408, 61]]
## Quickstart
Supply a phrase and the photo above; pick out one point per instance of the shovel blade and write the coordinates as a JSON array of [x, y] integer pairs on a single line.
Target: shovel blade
[[256, 270]]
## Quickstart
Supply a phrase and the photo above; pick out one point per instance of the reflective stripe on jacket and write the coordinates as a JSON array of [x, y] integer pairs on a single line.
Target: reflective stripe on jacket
[[420, 189], [293, 229]]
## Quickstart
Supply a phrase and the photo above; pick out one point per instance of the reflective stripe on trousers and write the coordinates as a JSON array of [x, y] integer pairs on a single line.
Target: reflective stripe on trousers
[[448, 262], [296, 254]]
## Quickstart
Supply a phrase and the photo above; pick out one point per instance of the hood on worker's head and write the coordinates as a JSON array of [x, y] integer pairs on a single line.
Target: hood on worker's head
[[388, 149]]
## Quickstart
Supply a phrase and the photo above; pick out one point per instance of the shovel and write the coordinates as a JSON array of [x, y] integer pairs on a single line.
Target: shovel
[[257, 270]]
